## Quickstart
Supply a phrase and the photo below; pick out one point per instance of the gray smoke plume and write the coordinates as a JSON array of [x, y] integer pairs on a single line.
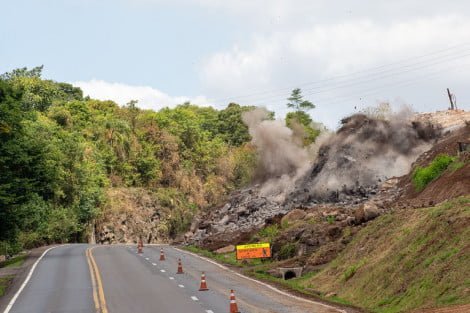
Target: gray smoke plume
[[364, 151], [282, 159]]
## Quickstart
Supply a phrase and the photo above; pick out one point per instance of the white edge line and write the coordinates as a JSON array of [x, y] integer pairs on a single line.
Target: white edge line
[[17, 294], [260, 282]]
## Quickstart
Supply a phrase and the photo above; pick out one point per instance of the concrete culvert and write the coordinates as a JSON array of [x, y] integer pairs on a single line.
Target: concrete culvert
[[290, 272], [289, 275]]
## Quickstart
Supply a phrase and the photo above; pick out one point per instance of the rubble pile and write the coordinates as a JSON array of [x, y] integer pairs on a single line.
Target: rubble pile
[[354, 170]]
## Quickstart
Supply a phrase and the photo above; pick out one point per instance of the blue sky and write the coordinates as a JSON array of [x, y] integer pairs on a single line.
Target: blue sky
[[119, 41], [346, 55]]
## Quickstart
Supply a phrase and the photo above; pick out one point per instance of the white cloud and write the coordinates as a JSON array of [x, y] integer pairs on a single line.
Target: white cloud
[[324, 50], [148, 97]]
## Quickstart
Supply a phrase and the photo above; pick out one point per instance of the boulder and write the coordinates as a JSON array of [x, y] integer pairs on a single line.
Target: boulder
[[294, 215], [224, 220], [226, 249], [366, 213], [371, 211]]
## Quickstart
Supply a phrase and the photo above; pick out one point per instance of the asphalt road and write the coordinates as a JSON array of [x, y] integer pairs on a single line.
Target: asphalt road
[[123, 281], [60, 283]]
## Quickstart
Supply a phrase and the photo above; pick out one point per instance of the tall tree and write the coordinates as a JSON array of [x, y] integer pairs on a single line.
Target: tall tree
[[297, 102], [300, 116]]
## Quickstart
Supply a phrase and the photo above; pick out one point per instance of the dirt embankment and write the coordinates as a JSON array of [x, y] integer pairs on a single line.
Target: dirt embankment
[[408, 259], [451, 184]]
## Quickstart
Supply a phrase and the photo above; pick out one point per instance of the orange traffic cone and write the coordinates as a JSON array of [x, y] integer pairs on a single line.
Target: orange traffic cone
[[180, 267], [203, 286], [162, 255], [139, 249], [233, 303]]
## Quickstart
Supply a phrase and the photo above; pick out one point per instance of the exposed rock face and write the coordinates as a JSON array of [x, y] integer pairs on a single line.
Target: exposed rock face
[[132, 213]]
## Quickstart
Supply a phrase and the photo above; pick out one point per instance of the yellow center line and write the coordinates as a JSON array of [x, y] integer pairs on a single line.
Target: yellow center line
[[102, 300], [93, 282]]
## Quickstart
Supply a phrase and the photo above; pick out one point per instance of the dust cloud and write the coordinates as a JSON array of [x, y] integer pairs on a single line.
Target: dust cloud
[[366, 150], [282, 159], [363, 152]]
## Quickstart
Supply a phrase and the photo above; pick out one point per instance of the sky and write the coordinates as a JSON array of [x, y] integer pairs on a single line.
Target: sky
[[345, 55]]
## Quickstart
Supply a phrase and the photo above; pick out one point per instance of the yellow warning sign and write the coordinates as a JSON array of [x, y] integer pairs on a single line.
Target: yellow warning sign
[[253, 251]]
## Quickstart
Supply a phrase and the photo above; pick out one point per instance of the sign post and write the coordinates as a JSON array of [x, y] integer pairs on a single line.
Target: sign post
[[253, 251]]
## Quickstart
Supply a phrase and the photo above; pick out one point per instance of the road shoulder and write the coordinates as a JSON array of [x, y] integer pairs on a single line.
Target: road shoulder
[[19, 274]]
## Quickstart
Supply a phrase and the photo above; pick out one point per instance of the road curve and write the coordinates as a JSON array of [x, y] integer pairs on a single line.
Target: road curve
[[124, 281]]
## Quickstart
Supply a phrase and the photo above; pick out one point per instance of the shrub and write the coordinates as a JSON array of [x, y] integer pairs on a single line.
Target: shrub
[[422, 176], [331, 219], [269, 232], [287, 251]]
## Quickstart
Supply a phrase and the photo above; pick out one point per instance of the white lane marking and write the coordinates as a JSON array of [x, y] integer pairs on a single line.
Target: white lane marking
[[147, 259], [154, 264], [259, 282], [194, 298], [181, 286], [209, 311], [171, 277], [163, 271], [12, 301]]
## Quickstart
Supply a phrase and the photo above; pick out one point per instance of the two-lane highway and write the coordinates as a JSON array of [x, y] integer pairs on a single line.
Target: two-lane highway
[[116, 279]]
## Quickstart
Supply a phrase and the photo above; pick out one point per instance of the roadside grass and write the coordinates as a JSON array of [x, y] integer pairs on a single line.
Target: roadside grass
[[4, 283], [422, 176], [226, 258], [415, 259], [257, 268], [298, 284], [14, 262]]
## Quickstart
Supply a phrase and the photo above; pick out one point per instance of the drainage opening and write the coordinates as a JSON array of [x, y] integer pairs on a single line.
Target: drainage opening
[[289, 275]]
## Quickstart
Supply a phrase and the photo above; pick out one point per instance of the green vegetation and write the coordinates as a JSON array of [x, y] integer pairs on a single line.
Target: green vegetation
[[299, 120], [331, 219], [404, 260], [287, 251], [422, 176], [60, 152], [350, 271], [4, 283], [269, 232], [227, 258], [14, 262]]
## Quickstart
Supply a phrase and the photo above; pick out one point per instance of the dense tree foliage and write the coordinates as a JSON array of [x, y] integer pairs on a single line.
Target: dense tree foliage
[[59, 152]]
